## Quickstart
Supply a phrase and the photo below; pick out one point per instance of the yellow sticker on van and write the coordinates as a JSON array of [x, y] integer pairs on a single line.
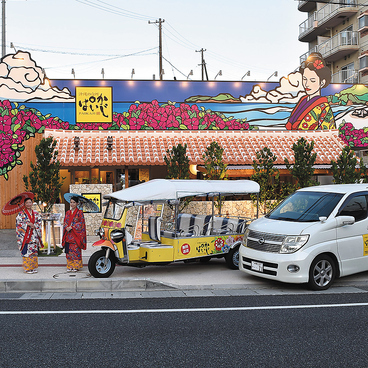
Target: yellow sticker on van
[[365, 245]]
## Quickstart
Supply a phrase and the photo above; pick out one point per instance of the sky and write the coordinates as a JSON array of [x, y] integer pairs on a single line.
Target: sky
[[259, 36]]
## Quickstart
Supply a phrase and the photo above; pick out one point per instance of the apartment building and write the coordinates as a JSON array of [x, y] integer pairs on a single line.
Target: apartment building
[[338, 29]]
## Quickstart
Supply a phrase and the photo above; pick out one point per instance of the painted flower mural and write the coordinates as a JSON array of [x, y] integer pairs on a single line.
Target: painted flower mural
[[18, 123], [352, 136]]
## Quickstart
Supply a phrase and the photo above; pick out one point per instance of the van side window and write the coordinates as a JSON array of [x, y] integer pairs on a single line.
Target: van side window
[[356, 207]]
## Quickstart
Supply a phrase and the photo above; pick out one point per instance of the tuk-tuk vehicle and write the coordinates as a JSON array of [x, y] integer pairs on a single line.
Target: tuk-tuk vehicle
[[151, 212]]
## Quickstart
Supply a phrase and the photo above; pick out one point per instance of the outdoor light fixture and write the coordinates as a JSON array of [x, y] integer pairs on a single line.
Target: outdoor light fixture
[[133, 72], [247, 74], [274, 74], [219, 73], [110, 141], [103, 73], [190, 73], [73, 72], [76, 143]]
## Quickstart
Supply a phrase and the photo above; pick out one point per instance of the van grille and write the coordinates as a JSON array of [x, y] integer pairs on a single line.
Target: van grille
[[265, 242]]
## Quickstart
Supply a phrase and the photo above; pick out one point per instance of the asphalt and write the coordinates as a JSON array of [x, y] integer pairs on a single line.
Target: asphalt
[[180, 279]]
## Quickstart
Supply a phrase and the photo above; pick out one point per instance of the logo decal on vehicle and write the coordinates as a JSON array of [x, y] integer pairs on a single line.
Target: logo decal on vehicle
[[185, 248]]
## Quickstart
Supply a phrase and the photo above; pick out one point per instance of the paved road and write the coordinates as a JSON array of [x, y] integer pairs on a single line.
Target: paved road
[[263, 331]]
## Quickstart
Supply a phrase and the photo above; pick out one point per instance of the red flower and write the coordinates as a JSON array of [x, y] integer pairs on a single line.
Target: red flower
[[318, 64]]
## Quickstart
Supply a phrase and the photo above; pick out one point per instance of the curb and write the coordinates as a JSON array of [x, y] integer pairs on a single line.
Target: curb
[[82, 285]]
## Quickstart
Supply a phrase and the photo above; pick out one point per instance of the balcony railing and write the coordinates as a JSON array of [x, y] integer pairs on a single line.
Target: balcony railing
[[309, 5], [324, 15], [350, 76], [337, 44]]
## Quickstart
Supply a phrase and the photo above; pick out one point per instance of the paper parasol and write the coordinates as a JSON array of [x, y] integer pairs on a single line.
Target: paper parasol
[[16, 204], [84, 203]]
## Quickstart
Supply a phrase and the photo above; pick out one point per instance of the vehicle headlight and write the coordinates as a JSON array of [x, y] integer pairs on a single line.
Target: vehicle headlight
[[293, 243], [244, 242]]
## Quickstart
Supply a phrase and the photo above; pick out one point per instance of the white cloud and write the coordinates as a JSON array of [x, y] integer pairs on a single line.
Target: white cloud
[[22, 80], [290, 90]]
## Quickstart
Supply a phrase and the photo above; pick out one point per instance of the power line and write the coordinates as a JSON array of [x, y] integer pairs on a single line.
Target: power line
[[115, 10], [19, 46], [174, 67]]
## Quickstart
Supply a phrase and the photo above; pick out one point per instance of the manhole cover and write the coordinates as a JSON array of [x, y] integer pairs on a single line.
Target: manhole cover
[[72, 275]]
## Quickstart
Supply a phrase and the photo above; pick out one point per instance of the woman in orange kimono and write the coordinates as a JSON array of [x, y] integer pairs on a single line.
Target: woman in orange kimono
[[28, 232], [313, 111], [74, 239]]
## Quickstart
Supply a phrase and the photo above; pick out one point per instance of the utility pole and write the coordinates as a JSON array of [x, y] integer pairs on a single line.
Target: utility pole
[[3, 48], [159, 22], [203, 64]]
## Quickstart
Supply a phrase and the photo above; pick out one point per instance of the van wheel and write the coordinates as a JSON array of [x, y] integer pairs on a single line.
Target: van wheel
[[232, 258], [99, 266], [322, 273]]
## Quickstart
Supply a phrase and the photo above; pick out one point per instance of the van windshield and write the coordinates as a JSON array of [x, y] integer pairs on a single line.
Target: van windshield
[[305, 206]]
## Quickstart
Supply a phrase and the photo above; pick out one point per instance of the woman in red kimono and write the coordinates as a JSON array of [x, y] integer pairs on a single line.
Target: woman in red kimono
[[313, 112], [74, 238], [28, 233]]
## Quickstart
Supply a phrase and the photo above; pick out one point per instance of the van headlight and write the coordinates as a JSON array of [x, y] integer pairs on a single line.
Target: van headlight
[[293, 243], [245, 238]]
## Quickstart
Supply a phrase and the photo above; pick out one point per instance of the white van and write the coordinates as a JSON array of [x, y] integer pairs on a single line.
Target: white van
[[314, 236]]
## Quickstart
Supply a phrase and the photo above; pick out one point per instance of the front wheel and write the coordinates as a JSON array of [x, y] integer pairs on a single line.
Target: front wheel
[[99, 266], [322, 272], [232, 258]]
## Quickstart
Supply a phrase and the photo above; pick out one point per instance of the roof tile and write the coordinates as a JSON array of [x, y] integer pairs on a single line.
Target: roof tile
[[148, 148]]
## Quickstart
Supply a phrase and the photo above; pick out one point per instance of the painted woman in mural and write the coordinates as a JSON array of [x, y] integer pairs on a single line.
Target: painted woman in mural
[[313, 111]]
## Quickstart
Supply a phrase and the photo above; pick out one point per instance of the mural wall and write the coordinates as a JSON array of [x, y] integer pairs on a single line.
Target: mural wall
[[302, 100]]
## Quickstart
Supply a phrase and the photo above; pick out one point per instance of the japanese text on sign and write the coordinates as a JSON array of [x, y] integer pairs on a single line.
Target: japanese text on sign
[[93, 104]]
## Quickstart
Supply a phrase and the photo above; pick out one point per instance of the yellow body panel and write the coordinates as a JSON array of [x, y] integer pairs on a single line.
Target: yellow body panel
[[157, 253], [194, 247]]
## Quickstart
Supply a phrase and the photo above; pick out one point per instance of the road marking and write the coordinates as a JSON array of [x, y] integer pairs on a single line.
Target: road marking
[[188, 310]]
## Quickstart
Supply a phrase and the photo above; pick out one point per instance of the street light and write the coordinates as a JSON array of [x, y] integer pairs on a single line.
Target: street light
[[12, 46], [190, 73], [247, 74], [274, 74], [133, 72], [73, 72], [219, 73]]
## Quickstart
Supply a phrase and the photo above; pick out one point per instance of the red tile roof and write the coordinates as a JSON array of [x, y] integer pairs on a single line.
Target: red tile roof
[[148, 148]]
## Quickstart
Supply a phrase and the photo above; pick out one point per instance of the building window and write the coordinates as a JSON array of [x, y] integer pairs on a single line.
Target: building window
[[363, 22], [348, 74], [363, 62]]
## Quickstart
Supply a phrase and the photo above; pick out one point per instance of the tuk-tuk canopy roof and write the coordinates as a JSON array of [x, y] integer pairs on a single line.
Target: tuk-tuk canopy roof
[[160, 190]]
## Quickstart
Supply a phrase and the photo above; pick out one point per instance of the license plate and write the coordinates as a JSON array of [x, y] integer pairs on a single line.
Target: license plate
[[257, 266]]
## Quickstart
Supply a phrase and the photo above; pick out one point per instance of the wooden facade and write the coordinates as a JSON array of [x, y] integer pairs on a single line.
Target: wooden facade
[[14, 185]]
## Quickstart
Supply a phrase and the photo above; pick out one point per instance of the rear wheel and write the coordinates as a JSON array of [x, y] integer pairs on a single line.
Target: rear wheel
[[322, 272], [232, 258], [99, 266]]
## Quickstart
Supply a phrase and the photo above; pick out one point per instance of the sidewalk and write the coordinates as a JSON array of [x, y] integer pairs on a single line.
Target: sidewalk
[[176, 279]]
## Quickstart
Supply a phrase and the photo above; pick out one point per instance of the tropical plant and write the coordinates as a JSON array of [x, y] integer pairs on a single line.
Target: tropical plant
[[213, 162], [302, 169], [177, 162], [44, 179], [268, 178], [346, 169]]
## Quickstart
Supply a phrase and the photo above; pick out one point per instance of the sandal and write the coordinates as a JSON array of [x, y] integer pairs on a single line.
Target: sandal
[[69, 270], [29, 271]]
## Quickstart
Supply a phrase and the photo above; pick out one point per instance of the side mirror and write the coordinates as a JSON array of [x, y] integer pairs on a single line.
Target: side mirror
[[345, 220], [322, 218]]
